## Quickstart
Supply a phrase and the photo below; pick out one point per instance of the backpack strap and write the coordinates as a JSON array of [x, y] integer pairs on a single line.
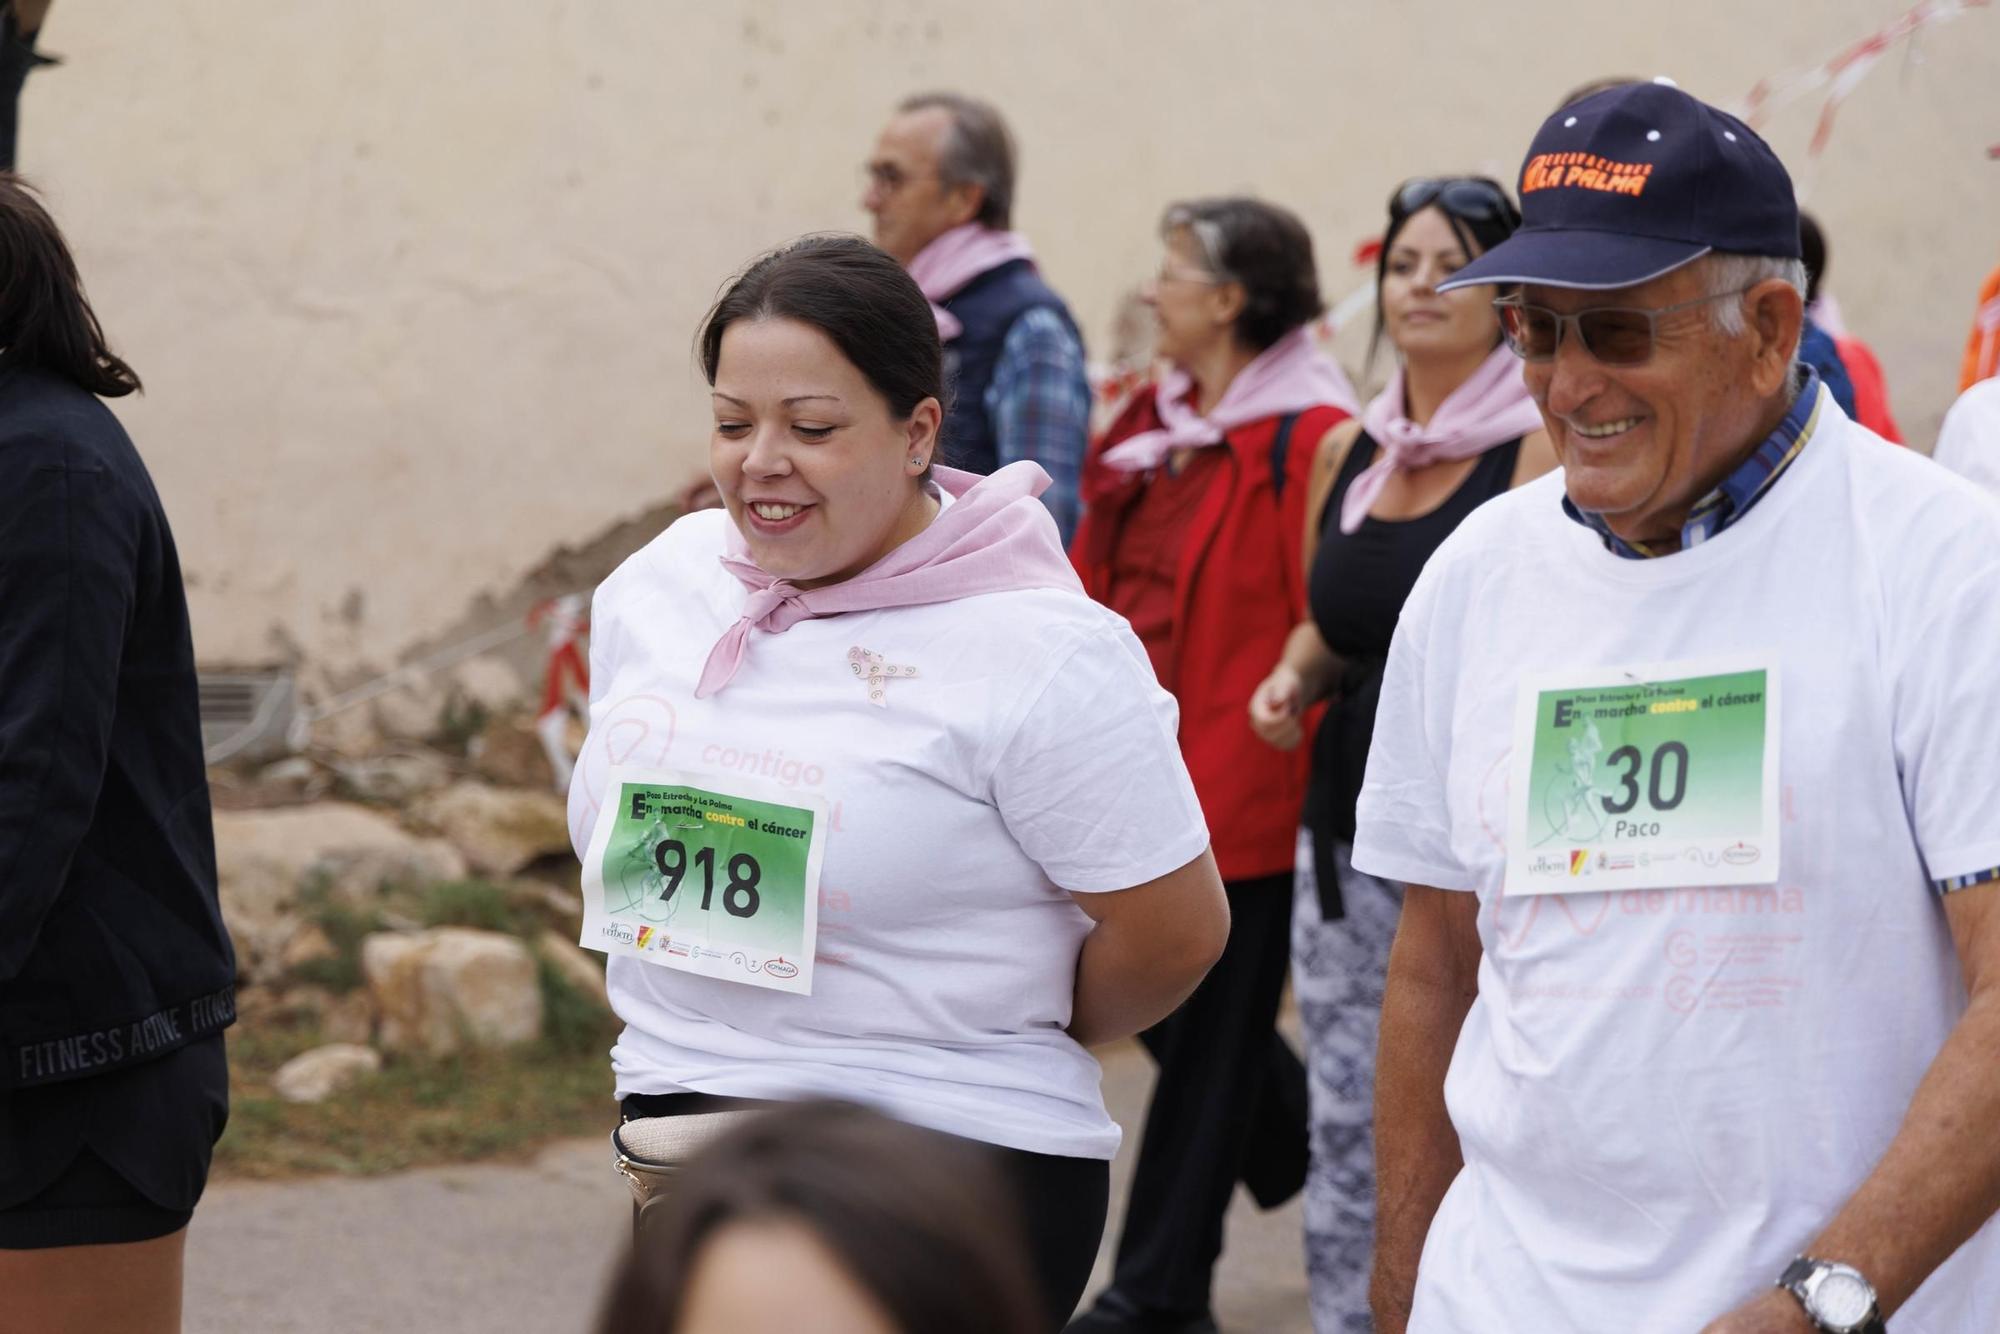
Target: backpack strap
[[1281, 452]]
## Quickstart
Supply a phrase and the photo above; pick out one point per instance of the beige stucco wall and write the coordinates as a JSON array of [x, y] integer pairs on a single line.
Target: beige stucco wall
[[412, 285]]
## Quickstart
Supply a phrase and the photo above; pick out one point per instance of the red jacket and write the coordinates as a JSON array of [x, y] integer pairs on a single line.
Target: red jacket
[[1871, 391], [1239, 592]]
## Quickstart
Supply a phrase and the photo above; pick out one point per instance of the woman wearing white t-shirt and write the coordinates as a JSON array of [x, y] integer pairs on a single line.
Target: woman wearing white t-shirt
[[876, 804]]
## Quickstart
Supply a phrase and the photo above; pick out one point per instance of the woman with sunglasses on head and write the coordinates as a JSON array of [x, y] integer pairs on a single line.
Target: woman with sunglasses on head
[[1195, 500], [1454, 428]]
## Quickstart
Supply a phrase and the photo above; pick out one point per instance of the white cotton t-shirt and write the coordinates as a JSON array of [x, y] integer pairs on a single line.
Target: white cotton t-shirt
[[1663, 1095], [1031, 755], [1969, 441]]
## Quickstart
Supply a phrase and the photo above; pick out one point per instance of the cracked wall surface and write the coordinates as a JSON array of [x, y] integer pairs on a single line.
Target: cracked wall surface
[[413, 287]]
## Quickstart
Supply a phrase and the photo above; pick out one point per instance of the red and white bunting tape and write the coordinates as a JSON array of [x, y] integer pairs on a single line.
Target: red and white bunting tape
[[1842, 73], [564, 621]]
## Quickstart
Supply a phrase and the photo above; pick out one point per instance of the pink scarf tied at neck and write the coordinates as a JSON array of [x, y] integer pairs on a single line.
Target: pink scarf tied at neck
[[1492, 406], [948, 263], [995, 537], [1289, 376]]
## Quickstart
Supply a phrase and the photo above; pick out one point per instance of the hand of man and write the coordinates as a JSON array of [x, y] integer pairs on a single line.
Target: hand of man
[[1776, 1312]]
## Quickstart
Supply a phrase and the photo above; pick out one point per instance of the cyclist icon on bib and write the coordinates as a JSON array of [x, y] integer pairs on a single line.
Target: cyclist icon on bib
[[1573, 810]]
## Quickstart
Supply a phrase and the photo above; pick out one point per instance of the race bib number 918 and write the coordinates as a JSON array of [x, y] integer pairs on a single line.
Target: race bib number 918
[[707, 875], [1645, 778]]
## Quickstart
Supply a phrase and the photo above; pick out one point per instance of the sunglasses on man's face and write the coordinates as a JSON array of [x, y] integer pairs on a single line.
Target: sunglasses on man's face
[[1467, 197], [1614, 335]]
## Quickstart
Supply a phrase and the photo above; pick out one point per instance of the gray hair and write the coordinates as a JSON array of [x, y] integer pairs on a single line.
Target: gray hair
[[1264, 248], [1209, 236], [1729, 273], [977, 150]]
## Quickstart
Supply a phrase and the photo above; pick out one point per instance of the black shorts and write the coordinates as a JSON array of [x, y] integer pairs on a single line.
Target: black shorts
[[90, 1204], [118, 1158]]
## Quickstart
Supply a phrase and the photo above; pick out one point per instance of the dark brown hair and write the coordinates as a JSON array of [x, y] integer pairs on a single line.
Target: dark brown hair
[[1812, 249], [922, 1221], [857, 296], [1476, 236], [45, 320]]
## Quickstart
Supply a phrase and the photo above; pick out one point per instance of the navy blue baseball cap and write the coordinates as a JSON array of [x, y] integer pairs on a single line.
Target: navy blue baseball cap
[[1632, 183]]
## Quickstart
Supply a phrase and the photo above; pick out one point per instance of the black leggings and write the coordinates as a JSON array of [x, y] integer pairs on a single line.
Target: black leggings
[[1063, 1200]]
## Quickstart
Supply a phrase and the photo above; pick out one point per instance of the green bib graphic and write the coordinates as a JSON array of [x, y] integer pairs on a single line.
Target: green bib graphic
[[1644, 778], [711, 875]]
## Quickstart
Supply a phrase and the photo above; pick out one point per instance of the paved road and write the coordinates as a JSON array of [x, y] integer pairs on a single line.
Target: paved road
[[500, 1249]]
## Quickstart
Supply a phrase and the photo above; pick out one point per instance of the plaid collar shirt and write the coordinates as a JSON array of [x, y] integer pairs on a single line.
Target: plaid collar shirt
[[1741, 489]]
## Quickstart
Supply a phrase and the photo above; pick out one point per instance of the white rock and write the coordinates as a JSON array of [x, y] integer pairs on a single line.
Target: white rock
[[265, 857], [308, 944], [317, 1075], [394, 778], [498, 830], [441, 990], [581, 968], [411, 712], [489, 681], [508, 752], [295, 779]]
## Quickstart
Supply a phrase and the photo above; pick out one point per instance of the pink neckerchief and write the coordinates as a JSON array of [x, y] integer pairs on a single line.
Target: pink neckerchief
[[954, 259], [994, 537], [1491, 406], [1289, 376]]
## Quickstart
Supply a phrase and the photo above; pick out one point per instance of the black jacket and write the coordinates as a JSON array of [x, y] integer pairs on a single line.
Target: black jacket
[[112, 947]]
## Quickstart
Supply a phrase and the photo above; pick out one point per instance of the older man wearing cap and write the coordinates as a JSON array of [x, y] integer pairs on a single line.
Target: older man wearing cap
[[1690, 758]]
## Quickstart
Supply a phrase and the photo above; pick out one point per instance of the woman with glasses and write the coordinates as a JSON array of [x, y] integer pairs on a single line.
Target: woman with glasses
[[1195, 501], [1454, 427]]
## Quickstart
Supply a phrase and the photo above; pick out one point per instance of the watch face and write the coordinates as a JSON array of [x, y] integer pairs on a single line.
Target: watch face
[[1841, 1300]]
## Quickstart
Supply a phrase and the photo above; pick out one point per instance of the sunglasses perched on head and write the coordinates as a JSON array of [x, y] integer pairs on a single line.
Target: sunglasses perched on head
[[1473, 198], [1614, 335]]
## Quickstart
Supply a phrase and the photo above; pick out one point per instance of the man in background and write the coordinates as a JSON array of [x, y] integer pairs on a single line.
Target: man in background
[[941, 191]]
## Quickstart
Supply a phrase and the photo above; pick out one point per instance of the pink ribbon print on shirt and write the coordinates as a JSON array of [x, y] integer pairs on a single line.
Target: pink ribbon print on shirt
[[876, 672]]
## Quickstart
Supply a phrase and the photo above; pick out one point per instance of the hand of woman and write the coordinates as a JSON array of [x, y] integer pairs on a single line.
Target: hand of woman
[[1275, 708]]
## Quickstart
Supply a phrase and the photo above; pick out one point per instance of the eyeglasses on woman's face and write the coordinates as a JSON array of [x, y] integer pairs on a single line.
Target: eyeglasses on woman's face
[[1171, 272]]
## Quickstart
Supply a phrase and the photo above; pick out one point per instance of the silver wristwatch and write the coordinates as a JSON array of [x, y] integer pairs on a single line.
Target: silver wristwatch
[[1837, 1298]]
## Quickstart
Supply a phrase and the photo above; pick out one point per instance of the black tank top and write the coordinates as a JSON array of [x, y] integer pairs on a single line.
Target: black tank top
[[1357, 587]]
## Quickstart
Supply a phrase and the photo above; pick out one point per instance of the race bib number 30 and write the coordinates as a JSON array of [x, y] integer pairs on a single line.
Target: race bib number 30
[[1645, 778], [711, 875]]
